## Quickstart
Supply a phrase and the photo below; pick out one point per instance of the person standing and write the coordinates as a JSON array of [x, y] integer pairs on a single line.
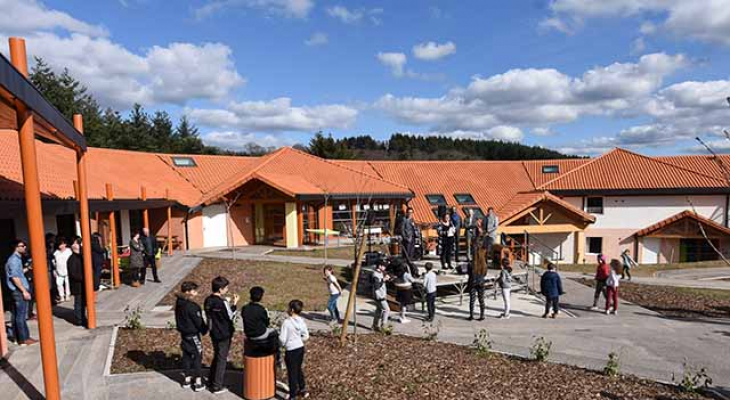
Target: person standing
[[98, 255], [456, 223], [404, 291], [472, 228], [50, 249], [77, 278], [20, 292], [552, 288], [628, 263], [489, 230], [136, 259], [220, 312], [477, 275], [293, 334], [602, 271], [150, 255], [60, 260], [189, 322], [612, 287], [429, 283], [446, 236], [380, 293], [335, 291], [408, 234], [505, 283]]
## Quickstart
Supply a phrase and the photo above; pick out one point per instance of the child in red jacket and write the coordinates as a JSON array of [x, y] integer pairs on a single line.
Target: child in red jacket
[[602, 272]]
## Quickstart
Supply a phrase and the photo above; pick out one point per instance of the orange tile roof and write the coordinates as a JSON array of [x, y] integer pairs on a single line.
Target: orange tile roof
[[704, 164], [209, 170], [534, 168], [621, 169], [677, 217], [522, 201]]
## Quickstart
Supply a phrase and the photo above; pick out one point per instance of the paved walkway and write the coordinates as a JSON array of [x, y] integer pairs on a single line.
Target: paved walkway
[[649, 345]]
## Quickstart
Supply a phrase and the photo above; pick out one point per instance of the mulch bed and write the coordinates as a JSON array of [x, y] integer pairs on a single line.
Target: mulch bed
[[675, 301], [399, 368], [282, 281]]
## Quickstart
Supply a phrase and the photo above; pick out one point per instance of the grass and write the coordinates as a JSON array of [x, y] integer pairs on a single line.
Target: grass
[[335, 253], [282, 282], [645, 270]]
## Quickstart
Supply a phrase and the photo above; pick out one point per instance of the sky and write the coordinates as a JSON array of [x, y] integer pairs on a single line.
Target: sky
[[577, 76]]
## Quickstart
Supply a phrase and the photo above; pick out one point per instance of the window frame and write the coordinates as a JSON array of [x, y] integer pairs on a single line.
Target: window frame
[[188, 162], [550, 169], [588, 244], [465, 203], [428, 196], [594, 209], [475, 207]]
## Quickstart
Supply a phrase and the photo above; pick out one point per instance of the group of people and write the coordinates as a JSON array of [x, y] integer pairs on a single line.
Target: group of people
[[481, 232], [142, 254], [260, 339]]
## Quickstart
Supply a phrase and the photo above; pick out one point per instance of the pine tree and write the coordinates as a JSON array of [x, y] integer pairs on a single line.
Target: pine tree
[[187, 139]]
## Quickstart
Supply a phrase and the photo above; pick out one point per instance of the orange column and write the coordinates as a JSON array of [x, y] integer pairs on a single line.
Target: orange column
[[169, 224], [145, 214], [83, 198], [113, 228], [34, 215]]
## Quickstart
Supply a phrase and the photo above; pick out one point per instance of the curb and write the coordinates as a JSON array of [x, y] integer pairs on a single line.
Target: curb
[[110, 352]]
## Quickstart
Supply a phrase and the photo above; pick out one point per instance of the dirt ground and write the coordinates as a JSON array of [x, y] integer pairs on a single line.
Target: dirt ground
[[645, 270], [399, 368], [335, 253]]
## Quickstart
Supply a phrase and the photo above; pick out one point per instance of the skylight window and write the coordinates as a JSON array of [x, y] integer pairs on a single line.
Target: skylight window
[[436, 199], [550, 169], [183, 161], [464, 198]]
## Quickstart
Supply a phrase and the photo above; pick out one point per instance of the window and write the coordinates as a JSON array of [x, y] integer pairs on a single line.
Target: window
[[436, 199], [342, 218], [550, 169], [464, 198], [595, 245], [477, 211], [594, 205], [183, 161]]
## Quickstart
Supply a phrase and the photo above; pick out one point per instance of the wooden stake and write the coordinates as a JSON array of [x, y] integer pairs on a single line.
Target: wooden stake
[[353, 289]]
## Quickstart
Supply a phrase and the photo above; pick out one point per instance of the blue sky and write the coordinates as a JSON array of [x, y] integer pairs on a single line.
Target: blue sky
[[577, 76]]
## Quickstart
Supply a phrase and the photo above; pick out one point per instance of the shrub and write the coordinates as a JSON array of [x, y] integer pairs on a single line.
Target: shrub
[[612, 365], [540, 350], [171, 325], [431, 331], [693, 378], [386, 330], [335, 329], [482, 343], [133, 318]]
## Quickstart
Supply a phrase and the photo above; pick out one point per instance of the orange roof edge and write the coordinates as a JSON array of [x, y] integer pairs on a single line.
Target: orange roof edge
[[677, 217]]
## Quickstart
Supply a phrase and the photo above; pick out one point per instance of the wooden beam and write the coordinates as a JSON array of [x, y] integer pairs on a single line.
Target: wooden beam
[[116, 280], [557, 228], [83, 199]]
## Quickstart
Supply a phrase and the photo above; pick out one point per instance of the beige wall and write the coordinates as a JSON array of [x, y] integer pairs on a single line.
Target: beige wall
[[195, 231], [241, 225]]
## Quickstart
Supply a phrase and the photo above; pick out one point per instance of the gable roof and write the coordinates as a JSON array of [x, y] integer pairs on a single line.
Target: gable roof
[[209, 170], [522, 201], [621, 169], [680, 216], [534, 168]]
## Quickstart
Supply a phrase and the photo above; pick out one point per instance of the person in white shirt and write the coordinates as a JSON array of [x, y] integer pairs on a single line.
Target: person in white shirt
[[612, 286], [60, 261], [293, 334], [335, 290], [429, 283]]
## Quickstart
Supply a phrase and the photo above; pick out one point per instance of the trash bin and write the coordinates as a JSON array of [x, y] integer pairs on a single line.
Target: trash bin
[[259, 381]]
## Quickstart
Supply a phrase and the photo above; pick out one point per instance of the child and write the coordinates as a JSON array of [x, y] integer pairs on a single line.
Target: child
[[380, 293], [293, 334], [612, 287], [190, 324], [333, 286], [551, 287], [600, 278], [429, 283], [60, 260], [404, 292], [505, 282], [628, 264], [220, 312]]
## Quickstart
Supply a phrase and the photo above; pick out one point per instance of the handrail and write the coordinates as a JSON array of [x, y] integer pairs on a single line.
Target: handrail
[[555, 255]]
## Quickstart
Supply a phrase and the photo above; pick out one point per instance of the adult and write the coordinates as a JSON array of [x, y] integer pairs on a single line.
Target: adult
[[20, 292], [150, 255], [472, 232], [489, 230], [261, 340], [380, 293], [602, 272], [456, 223], [628, 263], [446, 237], [77, 278], [136, 259], [477, 275], [552, 288], [50, 248], [60, 261], [98, 255], [404, 291], [408, 234], [220, 311]]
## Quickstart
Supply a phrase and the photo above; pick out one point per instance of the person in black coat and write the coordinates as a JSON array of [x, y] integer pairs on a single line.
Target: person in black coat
[[75, 265], [191, 325], [220, 312], [150, 254], [98, 256], [552, 288], [261, 340]]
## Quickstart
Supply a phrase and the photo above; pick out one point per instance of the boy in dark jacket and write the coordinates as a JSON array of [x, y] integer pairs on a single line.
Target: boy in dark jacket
[[220, 312], [261, 340], [551, 287], [190, 324]]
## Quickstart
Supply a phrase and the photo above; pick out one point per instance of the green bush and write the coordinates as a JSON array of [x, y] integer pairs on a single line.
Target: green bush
[[133, 318], [482, 343], [612, 367], [540, 350]]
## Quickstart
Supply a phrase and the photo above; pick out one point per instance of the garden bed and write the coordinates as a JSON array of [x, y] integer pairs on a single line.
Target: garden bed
[[675, 301], [282, 281], [399, 367], [645, 270], [334, 253]]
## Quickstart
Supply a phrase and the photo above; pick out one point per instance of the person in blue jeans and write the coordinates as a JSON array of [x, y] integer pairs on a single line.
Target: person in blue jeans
[[20, 291], [551, 287], [335, 291]]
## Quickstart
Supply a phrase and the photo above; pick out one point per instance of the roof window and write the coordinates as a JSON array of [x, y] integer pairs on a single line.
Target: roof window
[[183, 162], [550, 169], [436, 199], [464, 198]]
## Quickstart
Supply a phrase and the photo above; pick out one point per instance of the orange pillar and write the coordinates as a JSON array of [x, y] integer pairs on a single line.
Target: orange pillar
[[145, 214], [116, 280], [34, 215], [83, 198], [169, 224]]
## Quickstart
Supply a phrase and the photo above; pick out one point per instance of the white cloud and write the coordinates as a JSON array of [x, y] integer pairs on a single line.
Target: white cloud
[[277, 115], [395, 61], [557, 24], [286, 8], [433, 51], [352, 16], [705, 20], [27, 16], [638, 46], [317, 39], [238, 141]]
